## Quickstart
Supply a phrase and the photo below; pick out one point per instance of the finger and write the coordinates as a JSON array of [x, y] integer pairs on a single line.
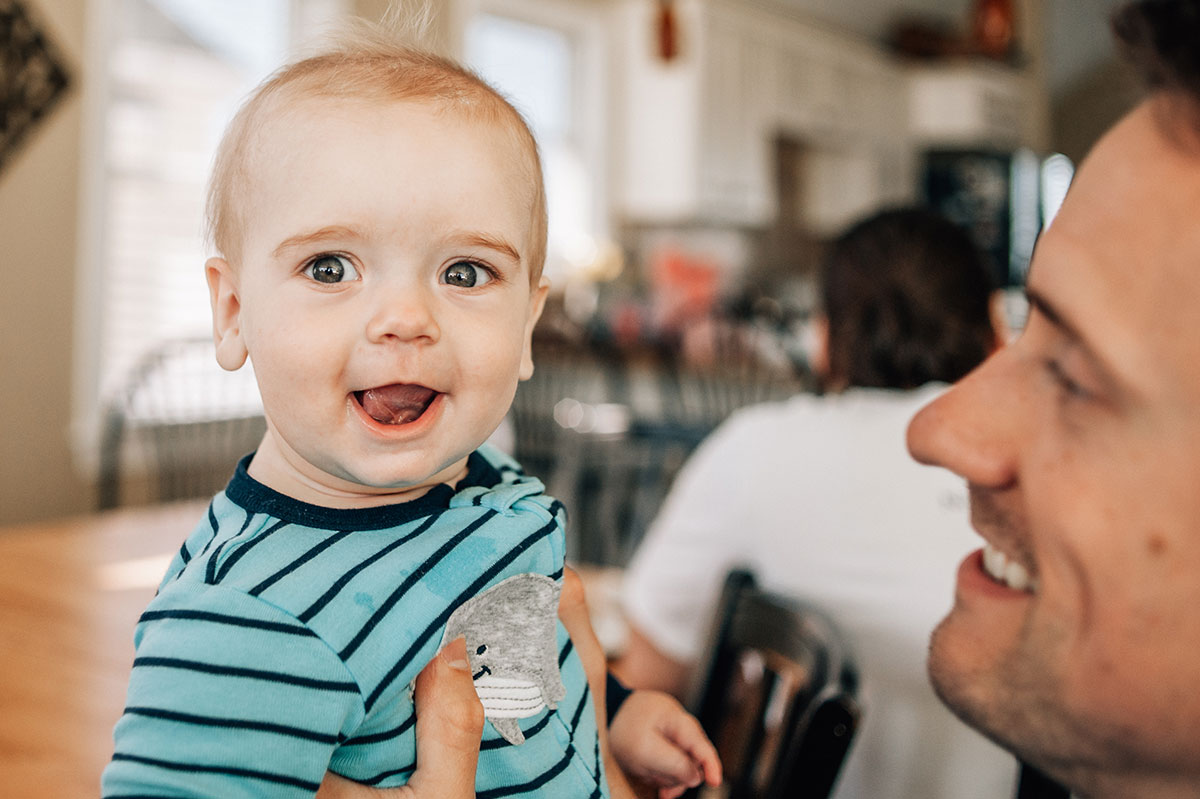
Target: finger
[[449, 726], [671, 765], [686, 733], [573, 612]]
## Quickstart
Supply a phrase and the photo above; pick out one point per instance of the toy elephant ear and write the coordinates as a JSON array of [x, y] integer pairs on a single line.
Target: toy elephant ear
[[511, 631]]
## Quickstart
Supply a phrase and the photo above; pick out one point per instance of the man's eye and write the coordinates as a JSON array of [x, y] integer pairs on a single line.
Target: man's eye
[[1069, 386], [466, 274], [331, 269]]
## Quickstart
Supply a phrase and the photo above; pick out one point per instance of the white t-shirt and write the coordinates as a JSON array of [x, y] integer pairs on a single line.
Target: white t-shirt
[[819, 497]]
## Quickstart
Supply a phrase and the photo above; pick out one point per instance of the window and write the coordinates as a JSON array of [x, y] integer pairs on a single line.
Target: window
[[547, 58], [169, 75]]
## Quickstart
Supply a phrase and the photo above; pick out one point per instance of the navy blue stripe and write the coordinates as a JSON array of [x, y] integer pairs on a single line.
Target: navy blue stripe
[[254, 674], [224, 618], [410, 581], [210, 573], [566, 651], [532, 785], [199, 768], [298, 562], [376, 737], [237, 724], [471, 591], [215, 525], [246, 547], [587, 691], [499, 743], [598, 767], [556, 576], [494, 743], [341, 582]]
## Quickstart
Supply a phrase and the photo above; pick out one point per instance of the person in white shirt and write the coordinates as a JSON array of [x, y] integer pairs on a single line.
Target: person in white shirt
[[819, 498]]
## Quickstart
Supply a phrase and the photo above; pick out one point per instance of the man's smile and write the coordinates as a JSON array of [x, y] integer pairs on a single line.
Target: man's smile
[[1007, 570]]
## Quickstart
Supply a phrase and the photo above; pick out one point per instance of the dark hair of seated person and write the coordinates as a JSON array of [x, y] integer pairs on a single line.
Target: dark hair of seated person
[[907, 296], [1160, 38]]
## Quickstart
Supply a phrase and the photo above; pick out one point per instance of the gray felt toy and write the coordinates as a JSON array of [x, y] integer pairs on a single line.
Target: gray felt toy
[[511, 632]]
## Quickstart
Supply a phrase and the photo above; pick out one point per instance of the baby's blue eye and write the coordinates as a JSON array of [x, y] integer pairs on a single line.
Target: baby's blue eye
[[331, 269], [466, 274]]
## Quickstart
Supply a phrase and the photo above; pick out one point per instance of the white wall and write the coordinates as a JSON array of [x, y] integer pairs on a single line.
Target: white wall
[[39, 193]]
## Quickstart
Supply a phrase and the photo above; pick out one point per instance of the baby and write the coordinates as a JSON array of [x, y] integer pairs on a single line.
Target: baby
[[381, 223]]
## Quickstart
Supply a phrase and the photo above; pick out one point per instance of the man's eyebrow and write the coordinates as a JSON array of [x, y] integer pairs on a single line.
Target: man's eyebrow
[[1055, 316], [316, 236], [1051, 312]]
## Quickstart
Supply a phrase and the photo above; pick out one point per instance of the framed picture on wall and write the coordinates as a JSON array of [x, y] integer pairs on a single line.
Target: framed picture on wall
[[32, 76]]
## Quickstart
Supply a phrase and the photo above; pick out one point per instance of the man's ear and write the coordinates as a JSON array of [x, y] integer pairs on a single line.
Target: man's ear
[[226, 313], [536, 303], [818, 351], [997, 312]]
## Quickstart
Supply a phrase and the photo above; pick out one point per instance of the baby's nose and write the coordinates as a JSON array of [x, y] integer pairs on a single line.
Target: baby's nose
[[403, 316]]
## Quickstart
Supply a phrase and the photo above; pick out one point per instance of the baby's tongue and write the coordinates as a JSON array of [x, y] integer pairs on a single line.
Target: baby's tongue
[[397, 403]]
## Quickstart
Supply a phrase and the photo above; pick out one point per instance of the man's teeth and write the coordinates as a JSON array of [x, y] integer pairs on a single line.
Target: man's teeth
[[1007, 571]]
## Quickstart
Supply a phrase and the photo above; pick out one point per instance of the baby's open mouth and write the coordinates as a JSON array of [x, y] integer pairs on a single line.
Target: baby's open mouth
[[399, 403]]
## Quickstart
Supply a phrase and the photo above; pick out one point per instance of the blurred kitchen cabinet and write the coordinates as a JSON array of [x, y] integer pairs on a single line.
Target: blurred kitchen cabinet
[[699, 131], [692, 146], [973, 103]]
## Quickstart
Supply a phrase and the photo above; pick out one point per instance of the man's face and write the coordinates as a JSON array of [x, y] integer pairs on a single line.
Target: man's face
[[1080, 444], [383, 294]]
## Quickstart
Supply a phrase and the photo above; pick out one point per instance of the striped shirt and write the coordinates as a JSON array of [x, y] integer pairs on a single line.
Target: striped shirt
[[285, 637]]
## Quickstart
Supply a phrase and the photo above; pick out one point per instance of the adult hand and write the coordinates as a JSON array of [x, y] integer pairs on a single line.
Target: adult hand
[[449, 726], [573, 613]]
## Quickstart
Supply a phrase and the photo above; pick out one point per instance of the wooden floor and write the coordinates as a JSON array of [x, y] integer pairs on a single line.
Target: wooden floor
[[70, 593]]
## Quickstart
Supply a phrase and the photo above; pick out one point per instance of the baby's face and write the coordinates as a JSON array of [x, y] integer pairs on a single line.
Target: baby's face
[[383, 295]]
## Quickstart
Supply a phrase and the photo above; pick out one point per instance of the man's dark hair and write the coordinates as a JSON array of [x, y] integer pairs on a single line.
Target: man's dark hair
[[907, 295], [1162, 38]]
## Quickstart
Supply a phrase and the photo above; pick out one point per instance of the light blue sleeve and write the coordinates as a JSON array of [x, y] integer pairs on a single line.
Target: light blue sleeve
[[228, 697]]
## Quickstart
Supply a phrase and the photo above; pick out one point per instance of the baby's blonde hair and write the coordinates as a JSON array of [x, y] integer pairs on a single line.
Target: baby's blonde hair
[[365, 62]]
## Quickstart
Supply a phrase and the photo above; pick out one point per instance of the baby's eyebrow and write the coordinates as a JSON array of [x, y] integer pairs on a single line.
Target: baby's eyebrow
[[501, 245], [324, 234]]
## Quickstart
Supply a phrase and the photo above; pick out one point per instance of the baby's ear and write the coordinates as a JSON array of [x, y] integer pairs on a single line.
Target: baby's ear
[[226, 313], [536, 303]]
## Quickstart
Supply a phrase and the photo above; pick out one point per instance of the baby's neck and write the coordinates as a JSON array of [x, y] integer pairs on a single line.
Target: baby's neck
[[285, 472]]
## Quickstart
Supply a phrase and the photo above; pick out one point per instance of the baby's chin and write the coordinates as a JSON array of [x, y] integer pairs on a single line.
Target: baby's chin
[[371, 482], [369, 490]]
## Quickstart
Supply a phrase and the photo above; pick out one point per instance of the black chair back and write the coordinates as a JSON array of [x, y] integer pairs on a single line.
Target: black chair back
[[1036, 785], [777, 694]]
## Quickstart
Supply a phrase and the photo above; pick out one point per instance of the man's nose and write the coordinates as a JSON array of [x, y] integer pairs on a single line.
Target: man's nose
[[403, 313], [969, 429]]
